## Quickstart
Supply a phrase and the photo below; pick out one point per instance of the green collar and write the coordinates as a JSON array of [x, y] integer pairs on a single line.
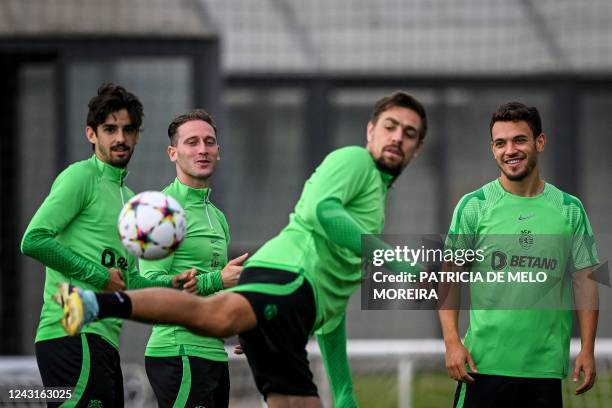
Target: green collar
[[109, 172], [504, 192], [387, 178], [188, 194]]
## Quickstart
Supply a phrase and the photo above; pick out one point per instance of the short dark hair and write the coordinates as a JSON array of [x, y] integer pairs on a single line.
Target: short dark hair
[[196, 114], [403, 100], [516, 111], [112, 98]]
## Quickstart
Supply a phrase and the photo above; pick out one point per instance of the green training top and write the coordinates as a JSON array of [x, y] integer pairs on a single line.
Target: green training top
[[550, 233], [74, 233], [350, 176], [204, 248]]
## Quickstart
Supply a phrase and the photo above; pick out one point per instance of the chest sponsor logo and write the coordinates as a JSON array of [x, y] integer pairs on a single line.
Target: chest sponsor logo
[[109, 259], [499, 260]]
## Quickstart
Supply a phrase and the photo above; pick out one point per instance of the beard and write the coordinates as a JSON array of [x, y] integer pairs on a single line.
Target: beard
[[394, 169], [529, 166], [120, 162]]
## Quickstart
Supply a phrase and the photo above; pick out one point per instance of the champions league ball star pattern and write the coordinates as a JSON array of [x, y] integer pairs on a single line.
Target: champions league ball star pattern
[[152, 225]]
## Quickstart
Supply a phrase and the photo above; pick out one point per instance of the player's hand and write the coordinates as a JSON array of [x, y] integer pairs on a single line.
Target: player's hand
[[115, 282], [456, 357], [187, 280], [238, 349], [585, 361], [231, 273]]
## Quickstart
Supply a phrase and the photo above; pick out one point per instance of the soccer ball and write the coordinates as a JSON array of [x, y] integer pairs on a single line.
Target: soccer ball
[[151, 225]]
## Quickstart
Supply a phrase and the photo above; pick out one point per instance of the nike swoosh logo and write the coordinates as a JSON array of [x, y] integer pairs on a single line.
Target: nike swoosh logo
[[521, 218]]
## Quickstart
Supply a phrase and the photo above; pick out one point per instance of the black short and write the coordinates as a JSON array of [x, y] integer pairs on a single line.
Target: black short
[[276, 348], [190, 381], [87, 363], [508, 392]]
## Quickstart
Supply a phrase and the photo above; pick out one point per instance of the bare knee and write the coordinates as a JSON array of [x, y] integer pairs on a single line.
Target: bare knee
[[220, 325], [223, 315], [222, 328]]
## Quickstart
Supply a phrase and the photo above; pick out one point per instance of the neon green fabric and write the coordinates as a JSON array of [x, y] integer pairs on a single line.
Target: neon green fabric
[[81, 384], [74, 233], [204, 248], [185, 388], [340, 227], [344, 231], [40, 244], [335, 359], [461, 399], [270, 288], [553, 225], [350, 176]]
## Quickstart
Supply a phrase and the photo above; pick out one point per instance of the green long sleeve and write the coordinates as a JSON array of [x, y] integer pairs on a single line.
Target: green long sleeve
[[340, 227], [160, 272], [326, 247], [70, 195], [209, 283], [343, 230], [74, 234], [335, 359], [137, 281], [204, 249], [40, 244]]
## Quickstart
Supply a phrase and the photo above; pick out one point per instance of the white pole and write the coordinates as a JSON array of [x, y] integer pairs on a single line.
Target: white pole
[[405, 370]]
